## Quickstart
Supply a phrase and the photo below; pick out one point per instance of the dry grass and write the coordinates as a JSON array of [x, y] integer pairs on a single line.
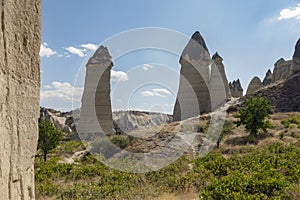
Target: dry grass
[[185, 196], [236, 142]]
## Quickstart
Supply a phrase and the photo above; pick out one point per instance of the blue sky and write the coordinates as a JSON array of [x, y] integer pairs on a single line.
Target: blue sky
[[250, 36]]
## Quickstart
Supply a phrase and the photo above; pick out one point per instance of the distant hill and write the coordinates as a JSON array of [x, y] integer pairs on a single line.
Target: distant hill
[[124, 121]]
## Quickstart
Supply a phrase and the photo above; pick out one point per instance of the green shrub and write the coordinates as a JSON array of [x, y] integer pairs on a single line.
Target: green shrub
[[254, 115], [71, 147], [281, 135], [271, 172], [120, 141], [291, 120]]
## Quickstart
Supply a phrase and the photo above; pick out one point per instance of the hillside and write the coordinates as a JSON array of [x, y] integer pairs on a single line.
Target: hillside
[[271, 162]]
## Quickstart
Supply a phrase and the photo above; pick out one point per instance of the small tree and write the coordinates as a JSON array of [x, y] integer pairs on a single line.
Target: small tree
[[254, 115], [49, 137]]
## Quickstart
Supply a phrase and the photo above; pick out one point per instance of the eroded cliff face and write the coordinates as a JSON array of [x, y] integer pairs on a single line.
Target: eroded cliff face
[[282, 70], [236, 89], [20, 39]]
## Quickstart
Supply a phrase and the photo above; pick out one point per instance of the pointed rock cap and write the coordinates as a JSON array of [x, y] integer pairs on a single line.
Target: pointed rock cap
[[296, 59], [297, 50], [101, 56], [254, 85], [237, 84], [281, 60], [195, 49], [268, 78], [199, 39], [256, 79], [269, 72], [216, 57]]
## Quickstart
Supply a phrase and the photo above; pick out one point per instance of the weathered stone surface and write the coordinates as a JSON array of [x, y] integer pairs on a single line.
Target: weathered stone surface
[[282, 70], [219, 88], [284, 96], [61, 120], [236, 89], [193, 95], [96, 112], [127, 121], [268, 78], [20, 39], [254, 85], [296, 59]]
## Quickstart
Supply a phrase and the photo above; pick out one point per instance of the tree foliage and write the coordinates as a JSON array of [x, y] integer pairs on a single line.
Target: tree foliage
[[254, 115], [49, 137]]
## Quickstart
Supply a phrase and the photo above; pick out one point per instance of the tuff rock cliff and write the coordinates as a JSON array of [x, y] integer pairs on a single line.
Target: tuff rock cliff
[[236, 89], [285, 94], [20, 39]]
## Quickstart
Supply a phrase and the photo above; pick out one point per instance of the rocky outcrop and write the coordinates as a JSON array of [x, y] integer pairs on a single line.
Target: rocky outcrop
[[20, 39], [127, 121], [284, 96], [123, 121], [268, 78], [193, 95], [296, 59], [61, 120], [282, 70], [96, 111], [254, 85], [219, 88], [236, 89]]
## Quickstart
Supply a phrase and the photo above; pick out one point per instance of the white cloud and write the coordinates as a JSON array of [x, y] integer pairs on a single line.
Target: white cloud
[[90, 46], [118, 76], [146, 67], [148, 94], [46, 51], [62, 91], [76, 51], [288, 13], [159, 92]]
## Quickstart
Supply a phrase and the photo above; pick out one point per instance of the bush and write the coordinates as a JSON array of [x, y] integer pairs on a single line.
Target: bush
[[291, 120], [120, 141], [254, 115], [281, 135], [263, 174], [271, 172]]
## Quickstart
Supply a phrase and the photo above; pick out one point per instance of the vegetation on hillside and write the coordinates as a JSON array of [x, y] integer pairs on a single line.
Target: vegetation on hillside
[[254, 114], [272, 172], [49, 137], [267, 169]]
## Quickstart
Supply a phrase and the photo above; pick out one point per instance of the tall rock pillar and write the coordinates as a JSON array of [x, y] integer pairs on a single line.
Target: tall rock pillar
[[193, 95], [96, 112], [219, 87], [20, 40]]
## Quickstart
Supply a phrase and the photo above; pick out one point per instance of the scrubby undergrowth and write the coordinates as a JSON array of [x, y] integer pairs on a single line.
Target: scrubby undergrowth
[[269, 168]]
